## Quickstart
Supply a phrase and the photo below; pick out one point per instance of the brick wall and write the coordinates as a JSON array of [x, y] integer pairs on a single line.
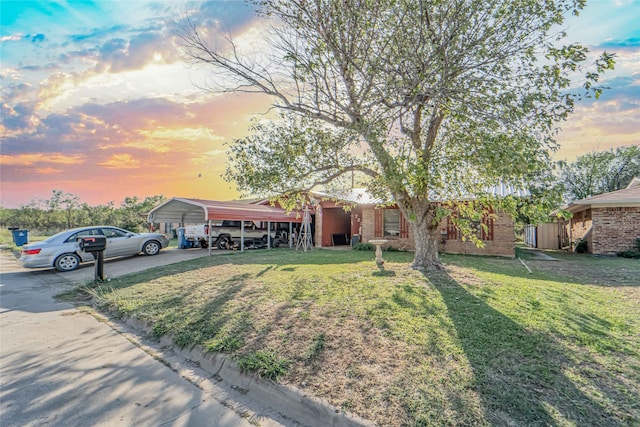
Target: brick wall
[[580, 227], [503, 243], [614, 229]]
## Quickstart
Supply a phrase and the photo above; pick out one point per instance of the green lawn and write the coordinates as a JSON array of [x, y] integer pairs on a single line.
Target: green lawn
[[482, 343]]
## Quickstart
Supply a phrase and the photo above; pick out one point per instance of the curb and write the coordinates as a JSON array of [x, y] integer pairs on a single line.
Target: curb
[[289, 402]]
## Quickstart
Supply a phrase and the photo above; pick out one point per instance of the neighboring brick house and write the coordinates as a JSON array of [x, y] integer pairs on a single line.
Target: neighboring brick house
[[610, 222]]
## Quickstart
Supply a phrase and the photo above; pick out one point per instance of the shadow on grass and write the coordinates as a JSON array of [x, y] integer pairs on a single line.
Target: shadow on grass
[[580, 269], [384, 273], [520, 375], [285, 260], [317, 256], [189, 322]]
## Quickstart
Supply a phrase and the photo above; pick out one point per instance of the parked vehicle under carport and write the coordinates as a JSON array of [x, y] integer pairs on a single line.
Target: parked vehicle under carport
[[227, 234], [206, 212]]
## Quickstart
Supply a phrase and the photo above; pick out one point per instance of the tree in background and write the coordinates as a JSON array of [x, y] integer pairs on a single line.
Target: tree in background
[[429, 100], [132, 214], [100, 214], [65, 204], [29, 216], [600, 172], [65, 210]]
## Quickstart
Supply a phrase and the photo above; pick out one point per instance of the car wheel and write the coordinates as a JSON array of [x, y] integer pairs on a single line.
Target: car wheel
[[222, 242], [67, 262], [151, 248]]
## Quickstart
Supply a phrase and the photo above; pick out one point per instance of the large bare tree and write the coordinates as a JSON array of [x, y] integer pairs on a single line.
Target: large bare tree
[[432, 100]]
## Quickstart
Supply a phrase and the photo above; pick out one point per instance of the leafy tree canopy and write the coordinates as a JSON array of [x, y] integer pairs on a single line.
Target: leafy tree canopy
[[428, 100], [64, 210], [600, 172]]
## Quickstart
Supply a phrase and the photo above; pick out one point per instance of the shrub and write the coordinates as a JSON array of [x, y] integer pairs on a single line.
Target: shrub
[[582, 246], [631, 253], [370, 247], [364, 247]]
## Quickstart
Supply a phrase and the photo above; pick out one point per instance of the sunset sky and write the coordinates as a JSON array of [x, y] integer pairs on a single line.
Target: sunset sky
[[97, 99]]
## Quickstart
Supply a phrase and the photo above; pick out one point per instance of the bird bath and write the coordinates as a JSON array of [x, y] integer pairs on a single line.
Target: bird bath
[[378, 244]]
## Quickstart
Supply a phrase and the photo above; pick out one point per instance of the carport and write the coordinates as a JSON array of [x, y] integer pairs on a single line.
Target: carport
[[198, 211]]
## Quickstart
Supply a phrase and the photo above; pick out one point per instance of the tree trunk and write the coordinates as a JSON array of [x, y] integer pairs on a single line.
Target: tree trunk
[[421, 216], [426, 254]]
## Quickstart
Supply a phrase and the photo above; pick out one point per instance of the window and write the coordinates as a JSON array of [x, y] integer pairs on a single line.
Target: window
[[391, 222], [486, 230], [453, 233], [91, 232], [483, 229], [113, 232]]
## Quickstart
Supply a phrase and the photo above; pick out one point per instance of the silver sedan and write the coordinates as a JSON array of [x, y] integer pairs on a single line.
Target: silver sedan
[[62, 251]]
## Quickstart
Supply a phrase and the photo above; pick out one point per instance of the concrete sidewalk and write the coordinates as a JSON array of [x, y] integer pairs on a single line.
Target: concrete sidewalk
[[65, 366], [60, 366]]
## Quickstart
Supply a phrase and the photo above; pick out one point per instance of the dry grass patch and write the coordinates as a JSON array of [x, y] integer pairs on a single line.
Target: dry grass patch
[[484, 343]]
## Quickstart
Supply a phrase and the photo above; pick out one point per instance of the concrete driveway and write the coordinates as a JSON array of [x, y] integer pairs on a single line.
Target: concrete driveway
[[116, 267], [61, 366]]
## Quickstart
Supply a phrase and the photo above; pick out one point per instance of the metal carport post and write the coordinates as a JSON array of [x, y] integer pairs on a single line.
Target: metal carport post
[[290, 235], [209, 232]]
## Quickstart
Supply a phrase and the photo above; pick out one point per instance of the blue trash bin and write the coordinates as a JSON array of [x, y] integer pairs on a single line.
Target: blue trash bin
[[20, 237], [183, 243]]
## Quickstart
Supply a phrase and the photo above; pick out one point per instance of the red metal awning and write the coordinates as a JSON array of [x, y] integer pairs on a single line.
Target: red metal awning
[[195, 211]]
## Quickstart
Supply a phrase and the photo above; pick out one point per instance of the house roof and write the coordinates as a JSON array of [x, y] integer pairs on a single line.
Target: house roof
[[635, 181], [503, 190], [199, 211], [353, 195], [627, 197], [363, 197]]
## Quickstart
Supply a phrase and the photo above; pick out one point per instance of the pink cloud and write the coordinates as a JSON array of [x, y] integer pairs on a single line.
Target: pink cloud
[[121, 161], [143, 147]]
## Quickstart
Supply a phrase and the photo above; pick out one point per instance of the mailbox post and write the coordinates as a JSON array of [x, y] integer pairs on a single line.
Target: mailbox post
[[96, 246]]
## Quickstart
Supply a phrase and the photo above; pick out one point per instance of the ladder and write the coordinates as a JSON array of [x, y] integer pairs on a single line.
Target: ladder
[[304, 238]]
